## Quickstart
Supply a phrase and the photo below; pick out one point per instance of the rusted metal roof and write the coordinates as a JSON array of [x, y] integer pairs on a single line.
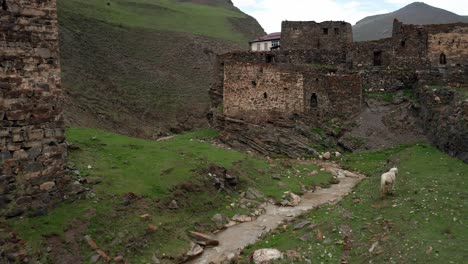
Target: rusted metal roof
[[271, 36]]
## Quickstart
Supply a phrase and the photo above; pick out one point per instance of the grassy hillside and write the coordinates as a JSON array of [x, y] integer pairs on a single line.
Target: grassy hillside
[[424, 222], [161, 15], [380, 26], [144, 67], [148, 175]]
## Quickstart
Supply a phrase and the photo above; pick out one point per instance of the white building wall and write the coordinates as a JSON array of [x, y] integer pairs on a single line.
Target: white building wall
[[261, 46]]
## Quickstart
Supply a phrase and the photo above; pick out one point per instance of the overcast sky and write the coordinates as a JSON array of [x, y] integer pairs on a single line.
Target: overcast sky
[[270, 13]]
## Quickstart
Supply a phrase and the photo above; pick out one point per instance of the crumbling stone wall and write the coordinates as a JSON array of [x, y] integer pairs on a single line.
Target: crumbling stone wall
[[261, 92], [306, 35], [444, 114], [388, 80], [32, 148], [448, 44]]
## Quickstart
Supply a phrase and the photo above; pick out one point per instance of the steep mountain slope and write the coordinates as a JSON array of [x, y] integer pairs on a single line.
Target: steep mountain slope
[[144, 67], [380, 26]]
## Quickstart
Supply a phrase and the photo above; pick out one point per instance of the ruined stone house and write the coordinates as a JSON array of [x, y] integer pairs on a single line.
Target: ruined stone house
[[32, 144], [320, 74]]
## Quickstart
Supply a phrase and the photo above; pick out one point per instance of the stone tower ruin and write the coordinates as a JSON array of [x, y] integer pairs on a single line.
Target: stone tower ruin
[[32, 143]]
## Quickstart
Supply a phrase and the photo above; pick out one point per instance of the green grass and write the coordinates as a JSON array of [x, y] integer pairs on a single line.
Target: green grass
[[424, 222], [390, 97], [156, 172], [160, 15]]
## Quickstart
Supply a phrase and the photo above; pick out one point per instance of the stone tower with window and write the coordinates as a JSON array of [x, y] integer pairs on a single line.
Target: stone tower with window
[[328, 35]]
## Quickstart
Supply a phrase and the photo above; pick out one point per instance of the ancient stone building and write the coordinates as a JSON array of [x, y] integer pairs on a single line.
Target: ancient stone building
[[328, 35], [269, 100], [32, 148], [267, 92]]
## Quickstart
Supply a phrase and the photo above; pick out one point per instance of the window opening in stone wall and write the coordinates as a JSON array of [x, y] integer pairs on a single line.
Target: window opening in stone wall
[[265, 95], [337, 31], [377, 58], [270, 58], [313, 101], [4, 5], [254, 84], [325, 31], [443, 59], [403, 43]]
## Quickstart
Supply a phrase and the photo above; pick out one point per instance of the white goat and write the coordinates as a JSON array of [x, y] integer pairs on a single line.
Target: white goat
[[388, 181]]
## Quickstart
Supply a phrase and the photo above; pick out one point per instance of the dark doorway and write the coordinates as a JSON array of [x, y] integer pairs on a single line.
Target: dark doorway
[[377, 58], [270, 58], [4, 5], [313, 101], [443, 59], [265, 95]]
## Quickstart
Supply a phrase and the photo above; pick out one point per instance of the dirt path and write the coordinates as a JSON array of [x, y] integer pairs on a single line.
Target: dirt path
[[234, 239]]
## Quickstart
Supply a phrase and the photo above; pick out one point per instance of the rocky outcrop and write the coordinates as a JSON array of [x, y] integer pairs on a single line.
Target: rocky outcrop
[[293, 139], [444, 115]]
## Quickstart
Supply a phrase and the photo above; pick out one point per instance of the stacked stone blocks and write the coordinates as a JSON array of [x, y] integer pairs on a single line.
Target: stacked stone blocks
[[32, 143]]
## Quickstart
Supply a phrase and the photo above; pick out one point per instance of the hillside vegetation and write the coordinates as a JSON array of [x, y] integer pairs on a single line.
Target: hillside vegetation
[[424, 222], [144, 67], [380, 26], [131, 177]]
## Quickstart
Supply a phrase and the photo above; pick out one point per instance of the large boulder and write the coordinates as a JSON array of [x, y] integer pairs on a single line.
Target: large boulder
[[266, 255]]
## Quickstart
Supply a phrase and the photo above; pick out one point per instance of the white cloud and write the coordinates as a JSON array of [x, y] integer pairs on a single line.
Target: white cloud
[[270, 13]]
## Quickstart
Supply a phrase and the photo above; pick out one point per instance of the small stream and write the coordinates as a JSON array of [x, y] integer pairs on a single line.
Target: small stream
[[236, 238]]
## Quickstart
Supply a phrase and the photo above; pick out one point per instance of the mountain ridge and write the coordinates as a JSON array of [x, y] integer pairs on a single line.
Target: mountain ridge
[[380, 26]]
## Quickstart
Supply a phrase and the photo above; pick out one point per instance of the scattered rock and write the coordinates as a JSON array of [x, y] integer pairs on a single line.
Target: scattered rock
[[266, 255], [295, 199], [173, 205], [306, 237], [276, 177], [145, 216], [194, 251], [253, 193], [119, 259], [155, 260], [152, 228], [301, 225], [95, 258], [337, 154], [220, 220], [293, 255], [242, 218], [326, 155], [203, 239], [91, 242], [47, 186], [319, 235], [103, 255], [429, 250], [282, 184], [223, 179], [231, 223], [374, 245]]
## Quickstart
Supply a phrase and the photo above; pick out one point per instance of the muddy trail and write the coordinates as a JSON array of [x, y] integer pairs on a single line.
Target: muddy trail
[[236, 238]]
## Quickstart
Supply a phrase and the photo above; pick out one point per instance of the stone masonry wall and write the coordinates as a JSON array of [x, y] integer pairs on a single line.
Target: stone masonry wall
[[32, 148], [328, 35], [261, 92], [451, 43]]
